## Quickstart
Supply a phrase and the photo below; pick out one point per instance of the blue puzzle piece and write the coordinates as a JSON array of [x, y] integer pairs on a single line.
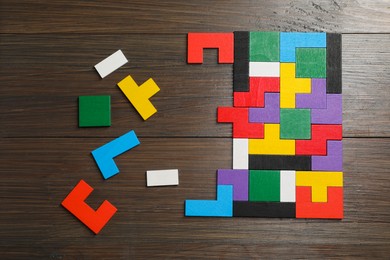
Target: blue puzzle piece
[[104, 155], [291, 40], [222, 207]]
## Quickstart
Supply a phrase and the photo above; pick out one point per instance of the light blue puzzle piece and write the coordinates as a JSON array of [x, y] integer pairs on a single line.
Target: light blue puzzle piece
[[104, 155], [222, 207], [291, 40]]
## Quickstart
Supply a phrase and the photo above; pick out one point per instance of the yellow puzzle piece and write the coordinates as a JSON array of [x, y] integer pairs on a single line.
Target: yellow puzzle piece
[[319, 183], [290, 85], [272, 144], [139, 95]]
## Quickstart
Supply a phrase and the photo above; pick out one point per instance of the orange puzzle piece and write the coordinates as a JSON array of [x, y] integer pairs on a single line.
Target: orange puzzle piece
[[75, 203]]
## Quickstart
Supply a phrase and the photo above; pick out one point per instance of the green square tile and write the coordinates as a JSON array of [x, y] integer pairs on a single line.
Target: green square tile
[[264, 46], [264, 185], [94, 111], [311, 62], [295, 123]]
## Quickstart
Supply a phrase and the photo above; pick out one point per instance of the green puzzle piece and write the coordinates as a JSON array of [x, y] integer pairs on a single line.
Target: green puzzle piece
[[264, 46], [311, 62], [94, 111], [295, 123], [264, 185]]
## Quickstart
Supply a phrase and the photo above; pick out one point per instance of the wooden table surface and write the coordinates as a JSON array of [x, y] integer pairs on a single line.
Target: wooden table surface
[[47, 53]]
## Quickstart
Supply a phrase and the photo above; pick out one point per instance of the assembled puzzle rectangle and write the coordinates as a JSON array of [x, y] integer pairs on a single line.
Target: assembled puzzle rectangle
[[286, 127]]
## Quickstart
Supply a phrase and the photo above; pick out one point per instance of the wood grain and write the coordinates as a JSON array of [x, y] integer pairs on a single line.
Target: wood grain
[[39, 75], [47, 53]]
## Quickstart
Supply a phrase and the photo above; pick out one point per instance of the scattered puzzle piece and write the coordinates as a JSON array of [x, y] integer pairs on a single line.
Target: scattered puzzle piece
[[75, 203], [221, 41], [139, 96], [222, 207], [333, 209], [237, 178], [241, 127], [162, 177], [94, 111], [319, 183], [104, 155], [111, 63]]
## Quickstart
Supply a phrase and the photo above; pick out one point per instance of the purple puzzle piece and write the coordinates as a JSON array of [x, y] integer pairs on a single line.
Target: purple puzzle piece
[[333, 114], [333, 161], [317, 97], [271, 111], [237, 178]]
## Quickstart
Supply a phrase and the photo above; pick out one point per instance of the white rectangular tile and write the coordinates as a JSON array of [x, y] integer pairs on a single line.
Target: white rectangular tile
[[240, 153], [287, 186], [162, 177], [264, 69], [111, 63]]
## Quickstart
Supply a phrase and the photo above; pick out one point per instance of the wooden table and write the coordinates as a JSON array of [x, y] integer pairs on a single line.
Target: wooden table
[[47, 53]]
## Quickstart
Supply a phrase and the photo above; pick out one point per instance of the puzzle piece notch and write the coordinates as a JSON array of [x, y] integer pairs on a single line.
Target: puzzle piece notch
[[241, 127], [317, 97], [104, 155], [320, 134], [333, 209], [289, 41], [222, 207], [139, 95], [224, 42], [94, 111], [271, 111], [75, 204], [237, 178], [257, 87], [319, 182], [272, 144], [290, 85], [332, 161]]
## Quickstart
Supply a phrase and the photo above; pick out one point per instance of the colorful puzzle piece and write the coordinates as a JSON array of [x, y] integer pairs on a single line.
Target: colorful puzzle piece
[[162, 177], [104, 155], [139, 95], [75, 203], [221, 41], [287, 130], [94, 111], [222, 207], [111, 63]]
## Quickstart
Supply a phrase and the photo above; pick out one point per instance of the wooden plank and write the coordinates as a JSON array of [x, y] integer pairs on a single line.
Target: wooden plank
[[38, 173], [177, 16], [46, 73]]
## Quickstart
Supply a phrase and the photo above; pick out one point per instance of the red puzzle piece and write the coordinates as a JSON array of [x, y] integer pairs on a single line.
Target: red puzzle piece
[[75, 203], [331, 209], [240, 119], [320, 134], [257, 87], [224, 42]]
